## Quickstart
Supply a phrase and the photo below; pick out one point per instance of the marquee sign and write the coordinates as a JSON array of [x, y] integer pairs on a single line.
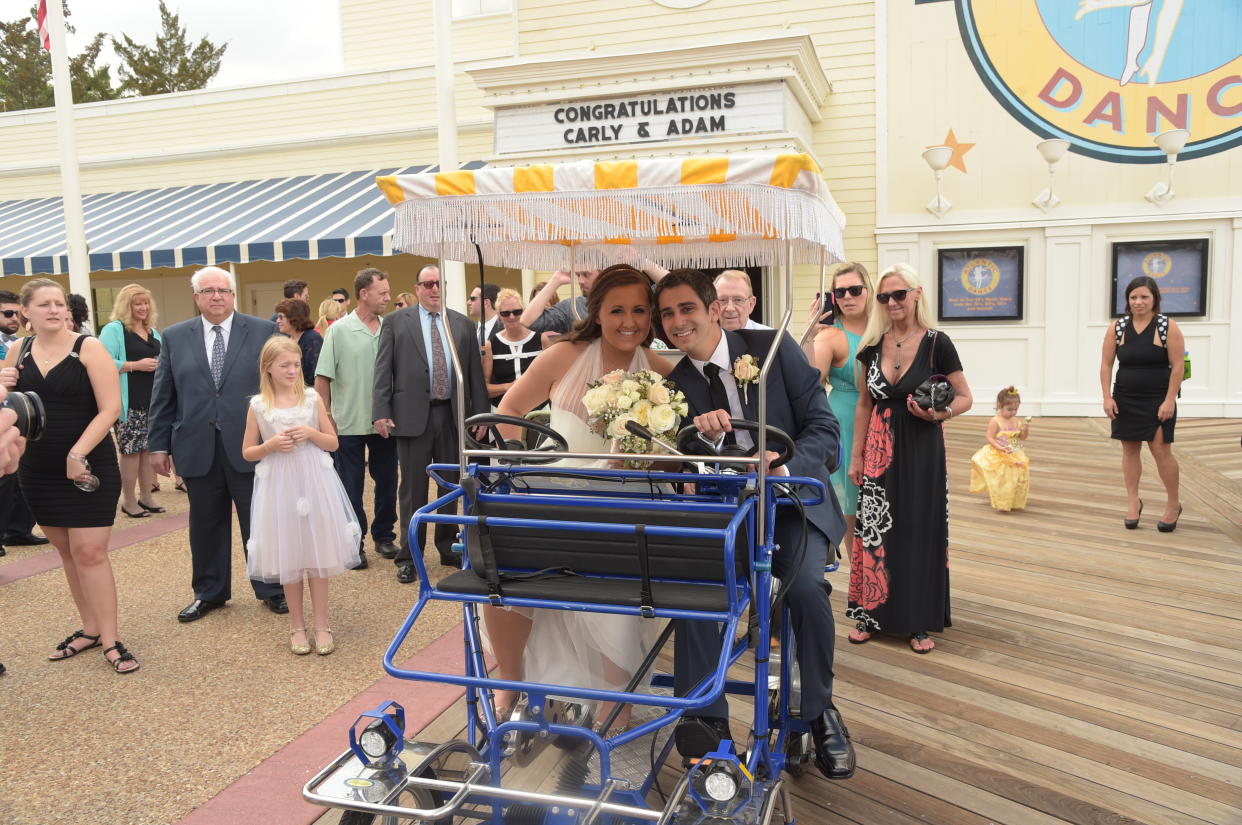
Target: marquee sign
[[642, 118], [1108, 75]]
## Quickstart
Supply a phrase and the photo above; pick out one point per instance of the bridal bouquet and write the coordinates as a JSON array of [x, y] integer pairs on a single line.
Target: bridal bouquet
[[620, 397]]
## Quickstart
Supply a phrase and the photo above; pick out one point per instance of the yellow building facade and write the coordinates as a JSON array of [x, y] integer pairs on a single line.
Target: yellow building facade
[[864, 87]]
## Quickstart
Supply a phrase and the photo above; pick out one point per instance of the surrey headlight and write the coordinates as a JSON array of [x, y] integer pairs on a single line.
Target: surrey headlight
[[720, 784], [378, 736]]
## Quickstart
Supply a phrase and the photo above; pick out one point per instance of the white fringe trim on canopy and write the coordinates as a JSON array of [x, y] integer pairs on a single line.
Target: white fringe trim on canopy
[[741, 219]]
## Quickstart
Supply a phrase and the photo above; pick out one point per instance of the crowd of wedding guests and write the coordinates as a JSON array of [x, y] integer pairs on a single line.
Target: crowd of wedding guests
[[371, 387]]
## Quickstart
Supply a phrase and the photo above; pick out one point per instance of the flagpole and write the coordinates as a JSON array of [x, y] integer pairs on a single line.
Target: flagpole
[[75, 222]]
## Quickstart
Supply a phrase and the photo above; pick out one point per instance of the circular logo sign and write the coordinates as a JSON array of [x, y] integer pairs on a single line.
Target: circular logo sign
[[980, 276], [1157, 264], [1109, 75]]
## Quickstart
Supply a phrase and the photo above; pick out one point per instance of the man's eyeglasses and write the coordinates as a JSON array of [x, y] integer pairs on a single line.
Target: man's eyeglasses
[[213, 291], [8, 313], [897, 295], [855, 290], [473, 298], [428, 284], [510, 313], [340, 299], [737, 301]]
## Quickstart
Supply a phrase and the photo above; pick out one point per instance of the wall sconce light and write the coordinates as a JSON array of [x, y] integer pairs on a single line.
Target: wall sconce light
[[1171, 143], [938, 158], [1051, 151]]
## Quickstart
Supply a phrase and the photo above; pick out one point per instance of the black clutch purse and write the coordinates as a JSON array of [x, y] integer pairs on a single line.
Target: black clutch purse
[[936, 393]]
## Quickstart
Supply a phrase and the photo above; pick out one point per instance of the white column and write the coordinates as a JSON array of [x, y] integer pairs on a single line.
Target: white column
[[454, 274], [71, 190], [1071, 359]]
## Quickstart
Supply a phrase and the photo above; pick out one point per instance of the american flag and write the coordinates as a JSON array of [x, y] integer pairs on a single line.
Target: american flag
[[44, 35]]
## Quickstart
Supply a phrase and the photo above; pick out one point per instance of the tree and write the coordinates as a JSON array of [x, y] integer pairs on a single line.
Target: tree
[[26, 68], [170, 65]]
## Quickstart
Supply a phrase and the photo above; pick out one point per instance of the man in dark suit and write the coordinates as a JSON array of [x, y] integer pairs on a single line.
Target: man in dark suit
[[209, 368], [690, 315], [415, 401]]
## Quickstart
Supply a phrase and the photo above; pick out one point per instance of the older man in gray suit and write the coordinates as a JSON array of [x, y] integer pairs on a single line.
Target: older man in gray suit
[[209, 368], [415, 402]]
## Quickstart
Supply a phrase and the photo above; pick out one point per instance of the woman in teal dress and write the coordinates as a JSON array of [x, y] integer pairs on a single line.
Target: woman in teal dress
[[832, 351]]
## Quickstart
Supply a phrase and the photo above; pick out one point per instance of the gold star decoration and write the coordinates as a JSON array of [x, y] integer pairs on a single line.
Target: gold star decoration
[[958, 161]]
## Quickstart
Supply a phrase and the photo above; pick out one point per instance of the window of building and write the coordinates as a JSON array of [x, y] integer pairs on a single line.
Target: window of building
[[475, 8]]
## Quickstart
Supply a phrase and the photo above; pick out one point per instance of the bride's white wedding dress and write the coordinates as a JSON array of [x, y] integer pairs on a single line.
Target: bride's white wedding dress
[[594, 650]]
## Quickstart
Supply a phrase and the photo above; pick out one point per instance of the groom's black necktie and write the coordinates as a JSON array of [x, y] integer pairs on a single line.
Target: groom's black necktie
[[720, 398]]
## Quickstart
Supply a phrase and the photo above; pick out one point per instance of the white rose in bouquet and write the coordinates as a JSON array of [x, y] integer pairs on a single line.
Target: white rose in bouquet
[[658, 394], [640, 411], [662, 418], [617, 428], [625, 401]]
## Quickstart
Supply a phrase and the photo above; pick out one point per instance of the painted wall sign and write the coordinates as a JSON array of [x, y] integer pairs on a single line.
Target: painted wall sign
[[642, 118], [1108, 75]]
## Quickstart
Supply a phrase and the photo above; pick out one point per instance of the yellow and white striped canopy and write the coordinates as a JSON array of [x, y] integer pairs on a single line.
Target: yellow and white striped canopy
[[700, 211]]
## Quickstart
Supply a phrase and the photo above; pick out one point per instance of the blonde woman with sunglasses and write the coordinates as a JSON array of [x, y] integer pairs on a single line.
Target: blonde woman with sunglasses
[[832, 351], [899, 575], [511, 348]]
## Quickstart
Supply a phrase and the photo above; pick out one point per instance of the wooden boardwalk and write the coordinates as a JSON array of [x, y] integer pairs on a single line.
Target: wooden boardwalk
[[1092, 674]]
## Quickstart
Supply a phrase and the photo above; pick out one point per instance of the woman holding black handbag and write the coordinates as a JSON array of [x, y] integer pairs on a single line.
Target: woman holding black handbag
[[911, 382]]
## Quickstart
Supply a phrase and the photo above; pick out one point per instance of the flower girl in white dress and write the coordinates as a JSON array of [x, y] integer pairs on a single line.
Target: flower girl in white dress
[[302, 524]]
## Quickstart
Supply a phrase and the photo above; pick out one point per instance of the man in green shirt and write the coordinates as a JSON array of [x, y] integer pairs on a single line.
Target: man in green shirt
[[345, 378]]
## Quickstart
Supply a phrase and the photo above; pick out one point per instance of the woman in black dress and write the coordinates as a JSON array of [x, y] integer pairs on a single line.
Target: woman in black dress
[[899, 562], [1150, 349], [511, 349], [77, 381], [293, 319], [134, 344]]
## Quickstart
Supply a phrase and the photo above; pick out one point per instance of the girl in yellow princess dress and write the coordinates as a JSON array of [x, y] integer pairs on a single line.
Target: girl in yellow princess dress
[[1001, 466]]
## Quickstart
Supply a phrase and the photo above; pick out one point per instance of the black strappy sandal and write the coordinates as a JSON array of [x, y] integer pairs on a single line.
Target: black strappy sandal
[[916, 638], [68, 648], [125, 656]]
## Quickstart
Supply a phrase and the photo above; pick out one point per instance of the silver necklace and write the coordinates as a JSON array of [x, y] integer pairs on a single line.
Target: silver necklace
[[899, 342]]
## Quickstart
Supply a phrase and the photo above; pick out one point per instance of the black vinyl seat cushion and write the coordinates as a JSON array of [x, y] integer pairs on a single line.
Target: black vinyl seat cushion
[[571, 588], [687, 572]]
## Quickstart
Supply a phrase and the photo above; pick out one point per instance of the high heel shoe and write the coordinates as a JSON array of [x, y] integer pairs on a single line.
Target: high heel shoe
[[1132, 523], [299, 649], [324, 649], [1170, 526]]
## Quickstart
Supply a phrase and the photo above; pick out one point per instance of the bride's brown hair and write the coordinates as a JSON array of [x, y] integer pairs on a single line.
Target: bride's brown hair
[[617, 275]]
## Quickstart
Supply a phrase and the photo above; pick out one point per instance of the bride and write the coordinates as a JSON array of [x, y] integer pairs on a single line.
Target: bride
[[559, 646]]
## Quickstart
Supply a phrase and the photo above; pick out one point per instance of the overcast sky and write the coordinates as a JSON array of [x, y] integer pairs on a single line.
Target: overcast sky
[[268, 39]]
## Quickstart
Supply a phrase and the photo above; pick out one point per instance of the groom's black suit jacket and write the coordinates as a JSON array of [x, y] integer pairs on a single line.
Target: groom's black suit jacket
[[796, 404]]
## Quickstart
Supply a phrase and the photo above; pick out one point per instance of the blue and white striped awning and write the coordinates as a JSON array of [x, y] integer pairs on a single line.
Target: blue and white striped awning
[[339, 215]]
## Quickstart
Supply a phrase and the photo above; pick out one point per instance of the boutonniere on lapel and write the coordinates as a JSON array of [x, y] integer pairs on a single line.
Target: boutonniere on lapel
[[745, 372]]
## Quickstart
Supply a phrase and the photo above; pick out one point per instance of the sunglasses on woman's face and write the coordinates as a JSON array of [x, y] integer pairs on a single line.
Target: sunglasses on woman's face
[[842, 291], [400, 304], [510, 313], [897, 295]]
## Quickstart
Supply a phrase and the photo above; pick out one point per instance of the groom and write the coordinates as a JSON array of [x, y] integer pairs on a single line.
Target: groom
[[690, 314]]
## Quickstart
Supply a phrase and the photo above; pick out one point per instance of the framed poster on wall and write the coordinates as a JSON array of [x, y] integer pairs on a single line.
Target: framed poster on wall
[[1179, 269], [983, 284]]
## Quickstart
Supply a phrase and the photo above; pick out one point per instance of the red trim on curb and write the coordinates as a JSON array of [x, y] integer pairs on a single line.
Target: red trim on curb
[[50, 559], [272, 792]]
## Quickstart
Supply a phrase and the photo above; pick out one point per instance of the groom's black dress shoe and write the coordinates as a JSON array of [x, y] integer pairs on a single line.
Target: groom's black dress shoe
[[834, 754], [698, 736], [277, 603], [407, 572], [197, 609]]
